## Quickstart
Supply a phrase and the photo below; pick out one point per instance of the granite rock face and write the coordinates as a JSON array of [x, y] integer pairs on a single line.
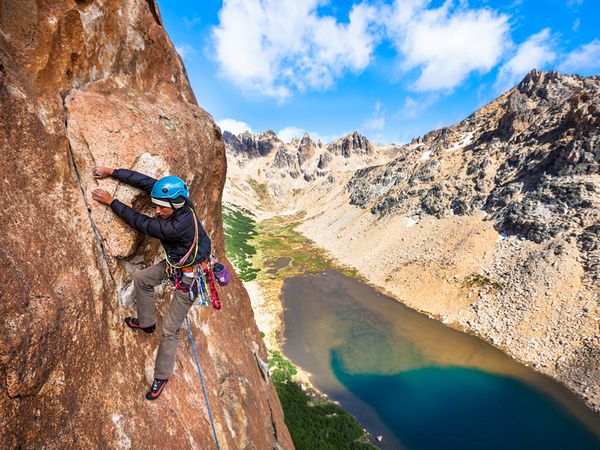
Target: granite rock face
[[85, 83], [352, 144], [530, 159]]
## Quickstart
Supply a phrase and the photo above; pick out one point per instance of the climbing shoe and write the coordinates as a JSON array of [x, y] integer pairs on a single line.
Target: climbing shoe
[[134, 324], [156, 389]]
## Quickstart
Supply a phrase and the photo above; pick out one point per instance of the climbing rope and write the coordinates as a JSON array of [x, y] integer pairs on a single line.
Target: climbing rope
[[187, 321]]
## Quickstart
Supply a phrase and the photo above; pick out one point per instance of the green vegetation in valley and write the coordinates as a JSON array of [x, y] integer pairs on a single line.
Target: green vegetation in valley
[[313, 423], [278, 242], [240, 228], [271, 249], [261, 190], [274, 250]]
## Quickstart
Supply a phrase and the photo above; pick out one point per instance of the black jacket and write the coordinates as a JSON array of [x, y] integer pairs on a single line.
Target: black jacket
[[175, 233]]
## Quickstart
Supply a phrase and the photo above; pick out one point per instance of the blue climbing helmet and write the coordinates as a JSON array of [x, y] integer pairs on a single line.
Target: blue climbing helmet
[[170, 192]]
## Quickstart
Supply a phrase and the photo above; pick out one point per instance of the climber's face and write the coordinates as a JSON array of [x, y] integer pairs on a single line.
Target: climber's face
[[163, 212]]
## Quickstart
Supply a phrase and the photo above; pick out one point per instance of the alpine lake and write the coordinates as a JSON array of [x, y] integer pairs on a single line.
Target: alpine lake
[[408, 379]]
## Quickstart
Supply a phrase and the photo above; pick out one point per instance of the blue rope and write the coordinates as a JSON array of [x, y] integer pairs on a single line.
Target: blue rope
[[202, 381]]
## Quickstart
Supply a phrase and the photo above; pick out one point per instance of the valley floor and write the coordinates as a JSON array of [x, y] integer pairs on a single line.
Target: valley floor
[[462, 272]]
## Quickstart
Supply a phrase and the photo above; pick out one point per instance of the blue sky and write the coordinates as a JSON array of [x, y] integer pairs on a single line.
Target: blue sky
[[392, 70]]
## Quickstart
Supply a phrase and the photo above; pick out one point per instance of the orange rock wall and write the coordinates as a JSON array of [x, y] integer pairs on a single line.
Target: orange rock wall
[[85, 83]]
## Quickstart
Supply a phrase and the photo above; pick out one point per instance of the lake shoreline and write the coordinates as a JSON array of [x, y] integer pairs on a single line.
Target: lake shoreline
[[267, 293], [494, 364], [271, 309], [305, 377], [461, 271]]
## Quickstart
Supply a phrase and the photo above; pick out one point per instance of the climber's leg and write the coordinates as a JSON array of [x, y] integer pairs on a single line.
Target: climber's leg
[[144, 282], [167, 350]]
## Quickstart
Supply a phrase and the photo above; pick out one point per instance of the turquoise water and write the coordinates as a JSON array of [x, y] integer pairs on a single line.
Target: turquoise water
[[418, 383], [462, 408]]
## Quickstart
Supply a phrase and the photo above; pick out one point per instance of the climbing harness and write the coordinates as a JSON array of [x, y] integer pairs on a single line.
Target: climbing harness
[[212, 423], [202, 284]]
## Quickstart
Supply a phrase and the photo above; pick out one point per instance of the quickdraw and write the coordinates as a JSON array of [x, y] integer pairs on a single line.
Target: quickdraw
[[214, 295], [201, 284]]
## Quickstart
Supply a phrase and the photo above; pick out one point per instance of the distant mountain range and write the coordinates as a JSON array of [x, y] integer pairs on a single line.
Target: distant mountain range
[[301, 157]]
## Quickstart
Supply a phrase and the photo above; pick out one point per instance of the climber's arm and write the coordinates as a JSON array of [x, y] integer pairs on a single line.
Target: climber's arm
[[153, 227], [131, 177]]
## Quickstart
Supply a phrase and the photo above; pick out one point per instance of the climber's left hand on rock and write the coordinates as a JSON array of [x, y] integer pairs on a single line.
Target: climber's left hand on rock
[[102, 196]]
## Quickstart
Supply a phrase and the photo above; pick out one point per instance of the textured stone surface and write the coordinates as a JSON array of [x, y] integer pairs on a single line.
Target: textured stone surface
[[529, 158], [353, 144], [100, 82]]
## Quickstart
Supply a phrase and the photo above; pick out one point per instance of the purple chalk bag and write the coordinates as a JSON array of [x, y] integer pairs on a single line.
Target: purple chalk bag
[[221, 274]]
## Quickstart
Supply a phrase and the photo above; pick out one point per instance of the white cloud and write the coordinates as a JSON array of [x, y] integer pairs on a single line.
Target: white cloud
[[413, 108], [288, 133], [535, 53], [584, 60], [191, 23], [277, 47], [233, 126], [377, 120], [186, 51], [445, 44]]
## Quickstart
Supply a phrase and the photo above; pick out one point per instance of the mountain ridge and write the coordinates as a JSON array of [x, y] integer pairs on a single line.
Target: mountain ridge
[[491, 225]]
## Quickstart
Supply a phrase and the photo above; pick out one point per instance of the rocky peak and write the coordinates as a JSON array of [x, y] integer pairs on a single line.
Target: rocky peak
[[269, 135], [534, 148], [535, 79], [233, 143], [267, 142], [352, 144], [252, 145], [306, 141], [306, 149]]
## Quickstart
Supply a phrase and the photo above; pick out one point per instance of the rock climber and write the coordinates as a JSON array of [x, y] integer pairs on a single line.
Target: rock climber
[[185, 245]]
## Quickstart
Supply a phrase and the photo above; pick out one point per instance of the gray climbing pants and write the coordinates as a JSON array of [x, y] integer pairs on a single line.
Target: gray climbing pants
[[145, 281]]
